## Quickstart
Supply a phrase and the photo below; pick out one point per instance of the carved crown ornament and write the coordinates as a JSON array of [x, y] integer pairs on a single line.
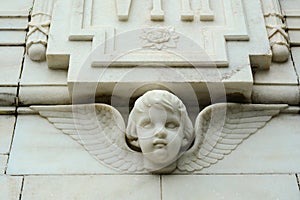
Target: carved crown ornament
[[159, 136]]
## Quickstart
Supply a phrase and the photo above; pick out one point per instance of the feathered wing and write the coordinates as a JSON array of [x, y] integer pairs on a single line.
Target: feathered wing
[[220, 128], [100, 129]]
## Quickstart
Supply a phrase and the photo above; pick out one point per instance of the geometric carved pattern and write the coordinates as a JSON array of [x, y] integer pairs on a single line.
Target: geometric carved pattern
[[98, 20]]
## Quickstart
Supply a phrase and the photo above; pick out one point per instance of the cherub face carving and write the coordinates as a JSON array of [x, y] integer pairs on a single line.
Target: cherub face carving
[[159, 125], [160, 134]]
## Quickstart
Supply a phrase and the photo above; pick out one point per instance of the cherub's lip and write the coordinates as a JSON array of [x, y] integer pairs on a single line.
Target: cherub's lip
[[159, 143]]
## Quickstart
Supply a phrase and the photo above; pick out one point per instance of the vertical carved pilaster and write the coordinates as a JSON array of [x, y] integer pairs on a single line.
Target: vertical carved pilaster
[[39, 25], [279, 40], [206, 13], [123, 9], [187, 14], [157, 13]]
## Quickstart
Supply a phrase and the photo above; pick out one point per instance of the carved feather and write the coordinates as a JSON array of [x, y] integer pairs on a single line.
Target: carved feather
[[220, 128], [100, 129]]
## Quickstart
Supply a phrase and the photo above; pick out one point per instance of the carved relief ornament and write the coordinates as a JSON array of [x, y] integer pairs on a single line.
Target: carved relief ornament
[[279, 40], [37, 36], [160, 135]]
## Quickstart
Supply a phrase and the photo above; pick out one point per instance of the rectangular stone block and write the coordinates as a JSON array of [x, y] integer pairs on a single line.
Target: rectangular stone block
[[12, 37], [7, 110], [234, 27], [8, 96], [267, 94], [11, 64], [3, 162], [39, 148], [91, 187], [237, 187], [10, 187], [38, 73], [289, 5], [13, 23], [7, 123], [31, 95], [15, 7], [294, 37], [278, 74], [296, 57], [293, 23]]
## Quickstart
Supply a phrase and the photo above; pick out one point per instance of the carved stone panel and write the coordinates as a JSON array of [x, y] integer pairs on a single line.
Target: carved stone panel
[[182, 34], [205, 22]]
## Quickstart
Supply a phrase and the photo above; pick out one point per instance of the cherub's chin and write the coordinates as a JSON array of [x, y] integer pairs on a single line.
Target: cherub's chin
[[161, 155]]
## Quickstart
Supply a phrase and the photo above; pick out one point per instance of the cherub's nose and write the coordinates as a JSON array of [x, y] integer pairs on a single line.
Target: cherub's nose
[[161, 134]]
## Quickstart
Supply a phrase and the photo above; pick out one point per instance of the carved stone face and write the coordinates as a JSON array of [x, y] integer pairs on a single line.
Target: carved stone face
[[160, 135]]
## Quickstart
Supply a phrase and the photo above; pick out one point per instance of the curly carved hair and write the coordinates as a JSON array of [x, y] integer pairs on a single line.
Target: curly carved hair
[[168, 101]]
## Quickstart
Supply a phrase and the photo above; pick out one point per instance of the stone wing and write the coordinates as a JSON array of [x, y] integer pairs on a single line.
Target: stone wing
[[100, 129], [220, 128]]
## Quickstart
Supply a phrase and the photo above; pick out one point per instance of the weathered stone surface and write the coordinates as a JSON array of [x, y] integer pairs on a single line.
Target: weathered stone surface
[[289, 4], [293, 23], [10, 187], [7, 110], [30, 95], [16, 7], [64, 47], [291, 10], [237, 187], [7, 123], [296, 58], [41, 85], [8, 96], [276, 94], [279, 74], [46, 150], [38, 74], [228, 28], [91, 187], [11, 63], [12, 37], [9, 23], [294, 37], [3, 162]]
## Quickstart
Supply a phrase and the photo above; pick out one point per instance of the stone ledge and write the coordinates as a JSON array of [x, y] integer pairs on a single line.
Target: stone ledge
[[276, 94], [30, 95]]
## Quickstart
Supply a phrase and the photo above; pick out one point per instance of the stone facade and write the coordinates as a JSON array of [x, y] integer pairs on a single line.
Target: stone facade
[[242, 54]]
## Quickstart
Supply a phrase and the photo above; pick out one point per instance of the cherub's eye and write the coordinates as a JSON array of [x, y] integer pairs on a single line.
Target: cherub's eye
[[172, 125], [146, 124]]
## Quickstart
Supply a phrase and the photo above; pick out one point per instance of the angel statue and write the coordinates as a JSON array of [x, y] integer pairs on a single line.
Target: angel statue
[[159, 137]]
